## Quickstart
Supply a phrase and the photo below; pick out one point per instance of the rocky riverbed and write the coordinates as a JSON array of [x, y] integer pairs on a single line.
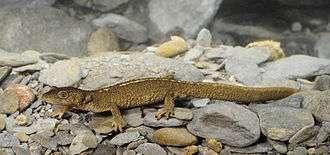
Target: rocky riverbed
[[296, 125]]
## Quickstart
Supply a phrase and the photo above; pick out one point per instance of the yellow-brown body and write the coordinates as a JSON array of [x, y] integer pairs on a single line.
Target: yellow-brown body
[[150, 90]]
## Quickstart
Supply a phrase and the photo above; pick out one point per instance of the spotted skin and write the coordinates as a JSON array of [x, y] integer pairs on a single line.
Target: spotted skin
[[147, 91]]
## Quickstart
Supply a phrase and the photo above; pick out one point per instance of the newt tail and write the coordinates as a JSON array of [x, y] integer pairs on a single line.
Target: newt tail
[[147, 91]]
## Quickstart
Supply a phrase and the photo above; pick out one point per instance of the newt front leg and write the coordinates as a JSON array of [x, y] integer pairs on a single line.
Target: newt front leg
[[168, 109], [59, 111], [118, 120]]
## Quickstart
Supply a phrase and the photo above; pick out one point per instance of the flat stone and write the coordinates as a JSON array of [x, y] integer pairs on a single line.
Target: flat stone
[[301, 66], [200, 102], [133, 117], [278, 146], [21, 150], [174, 137], [111, 68], [304, 134], [9, 102], [150, 149], [151, 120], [218, 121], [193, 54], [258, 148], [101, 5], [105, 148], [2, 122], [16, 59], [22, 137], [25, 94], [123, 27], [322, 83], [125, 138], [8, 140], [318, 103], [83, 142], [46, 124], [4, 72], [282, 122], [63, 138], [101, 124], [298, 151], [45, 139], [61, 74]]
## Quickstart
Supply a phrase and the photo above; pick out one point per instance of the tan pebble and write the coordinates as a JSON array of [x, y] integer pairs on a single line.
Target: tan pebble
[[174, 47], [21, 120], [190, 150], [214, 144], [174, 137], [273, 46], [25, 94], [22, 137], [102, 40]]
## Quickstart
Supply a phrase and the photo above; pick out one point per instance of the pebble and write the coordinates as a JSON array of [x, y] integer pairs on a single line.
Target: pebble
[[133, 117], [204, 38], [254, 149], [22, 137], [298, 151], [101, 124], [21, 120], [278, 146], [4, 72], [102, 40], [224, 122], [296, 27], [174, 47], [105, 148], [174, 137], [8, 140], [318, 103], [63, 138], [125, 138], [150, 149], [150, 120], [304, 134], [21, 150], [83, 142], [193, 54], [61, 74], [45, 139], [183, 113], [322, 82], [2, 122], [6, 151], [45, 124], [25, 94], [9, 102], [282, 122], [18, 59]]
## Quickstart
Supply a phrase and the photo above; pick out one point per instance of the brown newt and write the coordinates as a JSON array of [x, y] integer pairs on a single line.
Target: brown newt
[[147, 91]]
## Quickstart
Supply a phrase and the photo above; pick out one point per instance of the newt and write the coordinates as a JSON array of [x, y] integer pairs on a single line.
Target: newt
[[147, 91]]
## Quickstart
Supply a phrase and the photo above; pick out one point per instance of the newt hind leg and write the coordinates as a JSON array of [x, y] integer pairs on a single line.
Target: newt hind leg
[[168, 109]]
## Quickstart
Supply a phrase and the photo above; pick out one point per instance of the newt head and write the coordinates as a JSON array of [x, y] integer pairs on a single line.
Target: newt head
[[66, 96]]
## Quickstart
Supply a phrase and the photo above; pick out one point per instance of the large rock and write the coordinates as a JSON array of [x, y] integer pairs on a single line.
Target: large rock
[[123, 27], [228, 122], [45, 29], [282, 122], [111, 68], [186, 15]]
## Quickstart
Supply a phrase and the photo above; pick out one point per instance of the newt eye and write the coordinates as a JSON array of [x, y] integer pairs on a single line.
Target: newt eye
[[63, 94]]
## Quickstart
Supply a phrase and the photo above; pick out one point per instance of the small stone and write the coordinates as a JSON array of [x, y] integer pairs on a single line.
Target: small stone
[[22, 137], [224, 121], [8, 140], [204, 38], [45, 139], [174, 137], [278, 146], [282, 122], [2, 122], [318, 103], [200, 102], [25, 94], [4, 72], [63, 138], [133, 117], [193, 54], [125, 138], [304, 134], [17, 59], [150, 149], [258, 148], [9, 102], [21, 120], [61, 74], [175, 46], [150, 120], [183, 113], [102, 40], [129, 152], [105, 148], [135, 144], [83, 142], [6, 151], [20, 150], [296, 27], [298, 151], [101, 124], [322, 82], [46, 124]]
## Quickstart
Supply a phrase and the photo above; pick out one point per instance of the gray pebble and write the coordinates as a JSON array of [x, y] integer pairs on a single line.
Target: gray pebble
[[204, 38], [83, 142], [8, 140], [150, 149], [133, 117], [8, 102], [63, 138], [322, 82], [150, 120], [125, 138]]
